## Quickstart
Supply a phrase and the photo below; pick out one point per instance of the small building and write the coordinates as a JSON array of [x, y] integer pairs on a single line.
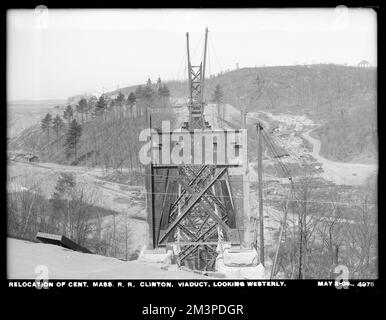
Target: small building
[[363, 64], [31, 158], [19, 157]]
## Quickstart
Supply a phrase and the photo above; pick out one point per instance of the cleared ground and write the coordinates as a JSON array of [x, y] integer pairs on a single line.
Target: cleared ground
[[340, 172]]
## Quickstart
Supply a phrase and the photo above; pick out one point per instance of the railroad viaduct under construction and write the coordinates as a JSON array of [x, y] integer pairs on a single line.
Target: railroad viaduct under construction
[[192, 207]]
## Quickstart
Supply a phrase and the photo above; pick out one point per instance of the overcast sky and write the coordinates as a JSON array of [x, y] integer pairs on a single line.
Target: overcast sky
[[54, 54]]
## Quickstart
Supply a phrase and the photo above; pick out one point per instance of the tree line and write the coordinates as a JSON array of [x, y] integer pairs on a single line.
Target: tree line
[[321, 229], [99, 110], [71, 210]]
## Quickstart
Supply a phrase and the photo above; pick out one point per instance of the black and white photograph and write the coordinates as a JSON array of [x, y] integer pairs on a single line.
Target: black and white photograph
[[163, 145]]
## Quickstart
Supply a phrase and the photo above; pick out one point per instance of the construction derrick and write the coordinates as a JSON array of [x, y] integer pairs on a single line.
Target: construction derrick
[[190, 205], [259, 128], [263, 135], [196, 76]]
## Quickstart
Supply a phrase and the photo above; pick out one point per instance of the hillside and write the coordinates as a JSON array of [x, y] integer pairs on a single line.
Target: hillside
[[342, 99], [40, 103], [21, 114], [110, 142]]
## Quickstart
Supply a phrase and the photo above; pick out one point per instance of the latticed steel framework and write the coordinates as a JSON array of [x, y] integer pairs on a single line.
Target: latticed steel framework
[[196, 76], [196, 105], [195, 208]]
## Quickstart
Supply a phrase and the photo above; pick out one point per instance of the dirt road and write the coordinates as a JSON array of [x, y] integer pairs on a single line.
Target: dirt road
[[340, 172]]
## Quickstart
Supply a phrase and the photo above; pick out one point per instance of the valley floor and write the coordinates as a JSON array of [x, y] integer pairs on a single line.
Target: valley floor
[[24, 256]]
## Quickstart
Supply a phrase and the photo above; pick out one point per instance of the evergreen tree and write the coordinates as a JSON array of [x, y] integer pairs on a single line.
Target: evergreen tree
[[57, 125], [148, 83], [139, 92], [159, 83], [164, 92], [109, 101], [73, 135], [160, 90], [91, 104], [101, 105], [68, 114], [119, 102], [120, 98], [46, 124], [82, 107], [131, 99], [148, 93], [218, 95]]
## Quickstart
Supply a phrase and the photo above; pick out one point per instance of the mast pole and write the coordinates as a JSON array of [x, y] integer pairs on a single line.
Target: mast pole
[[204, 65], [189, 68], [260, 186]]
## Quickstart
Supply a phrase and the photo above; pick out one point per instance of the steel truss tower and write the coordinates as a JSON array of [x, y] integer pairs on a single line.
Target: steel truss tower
[[191, 206]]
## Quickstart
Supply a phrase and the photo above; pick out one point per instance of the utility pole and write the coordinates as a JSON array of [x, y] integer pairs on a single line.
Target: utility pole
[[189, 65], [126, 236], [203, 66], [260, 186], [114, 242], [149, 182]]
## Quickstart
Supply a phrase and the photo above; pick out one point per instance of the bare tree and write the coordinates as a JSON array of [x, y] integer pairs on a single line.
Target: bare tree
[[24, 206], [362, 237]]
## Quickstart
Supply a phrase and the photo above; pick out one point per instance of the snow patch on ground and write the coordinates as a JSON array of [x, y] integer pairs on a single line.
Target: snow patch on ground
[[24, 256], [298, 121]]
